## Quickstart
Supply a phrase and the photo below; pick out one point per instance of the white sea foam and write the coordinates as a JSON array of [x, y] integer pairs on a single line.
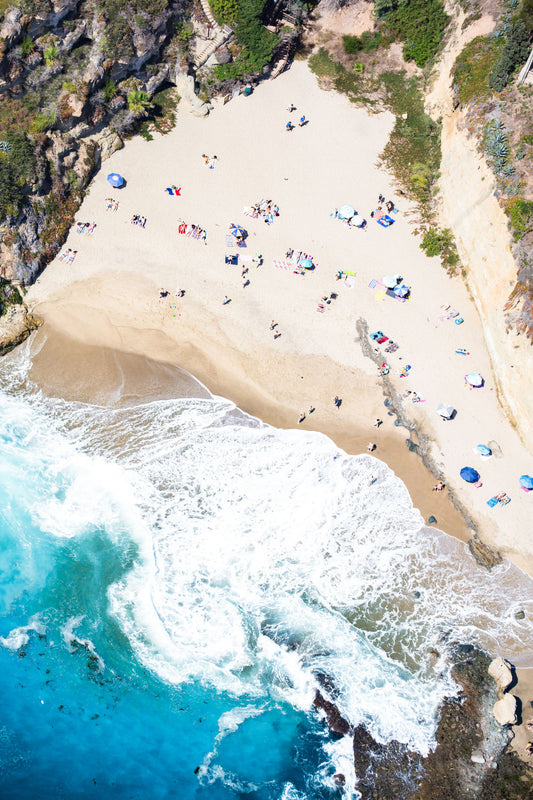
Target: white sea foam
[[267, 567], [73, 642], [19, 637]]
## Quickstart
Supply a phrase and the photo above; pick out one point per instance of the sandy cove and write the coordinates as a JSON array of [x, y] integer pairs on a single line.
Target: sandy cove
[[109, 298]]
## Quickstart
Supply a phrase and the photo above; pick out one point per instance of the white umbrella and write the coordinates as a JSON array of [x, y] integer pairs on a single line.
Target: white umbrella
[[391, 281], [445, 411], [346, 212], [474, 379]]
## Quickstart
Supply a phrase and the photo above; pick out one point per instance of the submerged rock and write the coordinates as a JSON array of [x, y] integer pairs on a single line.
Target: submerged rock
[[334, 718], [483, 553]]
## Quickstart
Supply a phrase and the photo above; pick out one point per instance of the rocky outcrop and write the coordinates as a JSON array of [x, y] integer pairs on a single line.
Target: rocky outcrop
[[188, 97], [501, 671], [472, 758], [505, 710], [15, 327]]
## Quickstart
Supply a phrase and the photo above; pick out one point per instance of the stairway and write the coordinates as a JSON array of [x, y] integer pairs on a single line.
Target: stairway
[[221, 36]]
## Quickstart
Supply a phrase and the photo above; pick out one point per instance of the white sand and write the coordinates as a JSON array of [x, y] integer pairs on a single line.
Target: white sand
[[110, 296]]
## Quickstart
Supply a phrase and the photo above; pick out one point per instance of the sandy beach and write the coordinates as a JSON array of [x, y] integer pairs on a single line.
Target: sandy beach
[[106, 308]]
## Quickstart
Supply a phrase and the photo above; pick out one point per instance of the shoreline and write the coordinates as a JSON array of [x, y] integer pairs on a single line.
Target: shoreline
[[110, 297]]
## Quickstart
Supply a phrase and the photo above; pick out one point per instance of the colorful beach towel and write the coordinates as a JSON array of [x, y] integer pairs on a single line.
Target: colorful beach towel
[[280, 264]]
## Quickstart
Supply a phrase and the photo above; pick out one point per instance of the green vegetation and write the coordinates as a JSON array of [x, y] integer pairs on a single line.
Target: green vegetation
[[162, 116], [441, 243], [225, 11], [9, 296], [350, 83], [526, 14], [50, 55], [421, 25], [27, 46], [413, 150], [43, 121], [514, 54], [527, 138], [520, 213], [110, 90], [496, 146], [257, 43], [17, 166], [473, 66], [366, 43], [138, 101]]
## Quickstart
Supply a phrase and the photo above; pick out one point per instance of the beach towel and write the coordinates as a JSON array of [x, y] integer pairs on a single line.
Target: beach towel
[[349, 282], [280, 264], [373, 283], [380, 294], [493, 502], [382, 339], [230, 241], [321, 308]]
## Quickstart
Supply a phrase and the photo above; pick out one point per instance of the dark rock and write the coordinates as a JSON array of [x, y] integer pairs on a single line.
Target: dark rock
[[335, 720], [483, 553]]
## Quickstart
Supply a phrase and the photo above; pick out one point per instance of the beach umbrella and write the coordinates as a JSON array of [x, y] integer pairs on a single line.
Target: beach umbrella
[[115, 179], [483, 450], [474, 379], [357, 220], [469, 474], [445, 411], [390, 281], [236, 230], [346, 212], [306, 263], [526, 481]]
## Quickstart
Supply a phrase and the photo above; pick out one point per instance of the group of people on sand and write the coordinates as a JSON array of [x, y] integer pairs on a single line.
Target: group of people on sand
[[111, 204], [209, 161], [68, 256], [137, 219], [301, 122], [264, 209], [85, 227], [390, 208], [174, 191], [194, 231]]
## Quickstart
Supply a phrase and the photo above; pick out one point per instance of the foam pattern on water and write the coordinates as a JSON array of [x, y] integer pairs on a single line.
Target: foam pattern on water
[[267, 567]]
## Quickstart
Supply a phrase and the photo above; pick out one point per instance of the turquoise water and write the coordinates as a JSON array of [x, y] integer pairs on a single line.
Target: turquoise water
[[177, 580]]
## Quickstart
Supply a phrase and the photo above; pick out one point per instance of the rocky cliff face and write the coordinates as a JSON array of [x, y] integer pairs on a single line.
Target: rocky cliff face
[[67, 73]]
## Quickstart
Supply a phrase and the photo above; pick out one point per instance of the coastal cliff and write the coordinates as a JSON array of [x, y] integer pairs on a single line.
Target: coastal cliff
[[468, 205]]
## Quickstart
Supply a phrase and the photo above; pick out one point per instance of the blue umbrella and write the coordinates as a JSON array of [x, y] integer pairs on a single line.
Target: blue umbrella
[[306, 263], [236, 230], [469, 474], [526, 481], [483, 450], [115, 180]]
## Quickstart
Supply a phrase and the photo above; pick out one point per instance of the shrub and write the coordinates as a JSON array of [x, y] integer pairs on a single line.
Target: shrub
[[421, 25], [514, 53], [352, 44], [225, 11], [26, 46], [138, 100], [526, 14], [520, 213], [50, 55], [473, 66], [110, 90], [441, 243], [17, 165], [367, 42], [43, 121]]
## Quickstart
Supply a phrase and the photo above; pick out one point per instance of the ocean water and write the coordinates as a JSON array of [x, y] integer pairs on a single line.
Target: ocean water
[[176, 581]]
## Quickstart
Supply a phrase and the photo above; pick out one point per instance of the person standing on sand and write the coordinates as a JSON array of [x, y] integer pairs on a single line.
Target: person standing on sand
[[301, 418], [302, 121], [226, 300]]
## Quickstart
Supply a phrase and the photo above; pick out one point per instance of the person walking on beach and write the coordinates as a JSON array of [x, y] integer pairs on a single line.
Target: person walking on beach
[[291, 108], [226, 300], [302, 121], [337, 401], [301, 419], [289, 126], [273, 325], [371, 447], [377, 423]]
